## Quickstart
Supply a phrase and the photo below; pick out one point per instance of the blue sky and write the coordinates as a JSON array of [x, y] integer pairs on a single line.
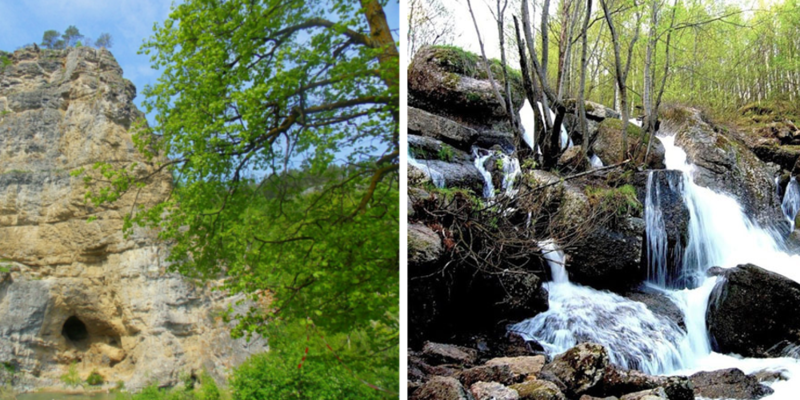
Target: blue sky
[[128, 21]]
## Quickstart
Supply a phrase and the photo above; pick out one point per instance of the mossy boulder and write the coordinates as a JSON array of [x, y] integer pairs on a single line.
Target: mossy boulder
[[538, 390], [447, 80], [608, 145]]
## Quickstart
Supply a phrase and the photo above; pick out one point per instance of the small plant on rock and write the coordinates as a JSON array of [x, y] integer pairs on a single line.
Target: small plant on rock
[[95, 379], [71, 377]]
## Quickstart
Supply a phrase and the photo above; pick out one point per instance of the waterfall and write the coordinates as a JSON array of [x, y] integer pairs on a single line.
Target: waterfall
[[564, 139], [656, 234], [436, 177], [791, 201], [595, 161], [528, 120], [632, 334], [511, 170], [481, 156]]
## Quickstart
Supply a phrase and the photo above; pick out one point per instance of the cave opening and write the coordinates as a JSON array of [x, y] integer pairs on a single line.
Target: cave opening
[[75, 330]]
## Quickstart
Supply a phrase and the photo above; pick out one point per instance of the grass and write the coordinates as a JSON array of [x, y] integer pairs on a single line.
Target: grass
[[445, 153], [620, 202]]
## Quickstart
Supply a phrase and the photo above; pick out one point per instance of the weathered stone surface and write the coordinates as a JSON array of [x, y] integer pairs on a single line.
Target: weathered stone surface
[[492, 391], [438, 353], [750, 312], [423, 123], [535, 389], [572, 161], [579, 368], [724, 163], [608, 144], [426, 148], [609, 258], [729, 384], [659, 304], [521, 366], [619, 382], [488, 373], [458, 173], [424, 245], [442, 388], [448, 82], [78, 290], [650, 394]]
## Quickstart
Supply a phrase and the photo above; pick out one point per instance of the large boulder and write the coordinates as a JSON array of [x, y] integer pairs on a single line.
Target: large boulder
[[488, 373], [609, 257], [523, 366], [608, 145], [439, 353], [424, 245], [423, 123], [452, 83], [751, 312], [579, 368], [456, 173], [427, 148], [493, 391], [442, 388], [728, 384], [618, 382], [724, 163], [535, 389]]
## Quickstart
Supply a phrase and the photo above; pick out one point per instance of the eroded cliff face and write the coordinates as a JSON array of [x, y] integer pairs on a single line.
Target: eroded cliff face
[[77, 291]]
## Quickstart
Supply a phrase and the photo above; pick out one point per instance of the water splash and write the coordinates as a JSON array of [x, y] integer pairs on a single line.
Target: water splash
[[480, 156], [528, 120], [436, 177], [791, 201], [595, 161], [632, 334], [511, 169]]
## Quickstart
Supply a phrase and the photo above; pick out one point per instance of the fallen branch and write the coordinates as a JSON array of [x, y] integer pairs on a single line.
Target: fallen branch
[[584, 173]]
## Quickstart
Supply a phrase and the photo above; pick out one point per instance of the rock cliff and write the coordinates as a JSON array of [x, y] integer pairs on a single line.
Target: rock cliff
[[73, 289]]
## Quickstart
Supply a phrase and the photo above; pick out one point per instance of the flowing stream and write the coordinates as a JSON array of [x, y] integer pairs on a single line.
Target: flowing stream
[[720, 234]]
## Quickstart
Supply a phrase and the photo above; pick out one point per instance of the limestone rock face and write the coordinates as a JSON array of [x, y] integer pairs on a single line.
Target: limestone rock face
[[79, 291]]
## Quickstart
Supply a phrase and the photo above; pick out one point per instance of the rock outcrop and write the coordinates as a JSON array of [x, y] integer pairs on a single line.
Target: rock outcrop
[[728, 384], [749, 312], [78, 291]]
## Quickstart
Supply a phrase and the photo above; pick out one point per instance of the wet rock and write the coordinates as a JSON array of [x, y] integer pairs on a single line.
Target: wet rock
[[493, 391], [441, 388], [579, 368], [749, 312], [618, 382], [769, 376], [608, 145], [609, 257], [524, 366], [659, 304], [456, 173], [488, 373], [429, 125], [438, 353], [535, 389], [573, 161], [729, 384], [724, 163], [650, 394], [424, 245], [426, 148]]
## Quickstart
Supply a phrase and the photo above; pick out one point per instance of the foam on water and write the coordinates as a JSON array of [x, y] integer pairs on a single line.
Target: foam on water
[[436, 177]]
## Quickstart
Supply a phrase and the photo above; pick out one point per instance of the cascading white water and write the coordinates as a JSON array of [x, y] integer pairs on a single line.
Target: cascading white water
[[791, 201], [656, 235], [595, 161], [720, 234], [480, 156], [511, 170], [632, 334], [436, 177]]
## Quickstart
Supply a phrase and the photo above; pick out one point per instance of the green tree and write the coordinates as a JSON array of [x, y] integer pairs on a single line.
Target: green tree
[[258, 99], [71, 36], [51, 40], [104, 41]]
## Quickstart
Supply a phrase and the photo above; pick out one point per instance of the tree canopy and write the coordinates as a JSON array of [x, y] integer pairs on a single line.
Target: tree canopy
[[280, 122], [72, 37]]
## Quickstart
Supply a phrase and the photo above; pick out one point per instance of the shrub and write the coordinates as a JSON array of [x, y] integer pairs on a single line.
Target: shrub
[[71, 377], [95, 379]]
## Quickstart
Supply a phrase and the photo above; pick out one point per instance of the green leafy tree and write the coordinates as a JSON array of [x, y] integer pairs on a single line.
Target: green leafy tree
[[280, 119], [104, 41], [71, 36], [51, 40]]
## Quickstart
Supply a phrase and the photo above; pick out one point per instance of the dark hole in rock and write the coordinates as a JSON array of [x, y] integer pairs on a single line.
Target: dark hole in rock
[[75, 330]]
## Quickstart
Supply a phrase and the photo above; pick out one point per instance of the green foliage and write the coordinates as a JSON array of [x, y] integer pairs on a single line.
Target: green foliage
[[528, 164], [459, 61], [95, 379], [71, 36], [7, 392], [618, 202], [51, 40], [498, 163], [71, 377], [208, 388], [445, 152], [8, 366], [104, 41], [276, 374], [260, 105]]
